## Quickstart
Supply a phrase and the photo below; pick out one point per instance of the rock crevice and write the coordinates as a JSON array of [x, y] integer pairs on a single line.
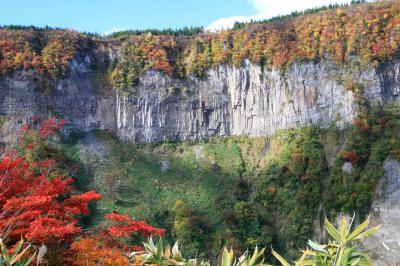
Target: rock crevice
[[249, 100]]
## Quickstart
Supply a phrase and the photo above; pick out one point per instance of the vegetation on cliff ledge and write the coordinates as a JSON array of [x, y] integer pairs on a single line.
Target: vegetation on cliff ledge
[[237, 191], [77, 197], [366, 32]]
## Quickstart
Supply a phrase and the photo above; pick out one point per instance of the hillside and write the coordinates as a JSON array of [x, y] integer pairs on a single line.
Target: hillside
[[367, 33], [241, 138]]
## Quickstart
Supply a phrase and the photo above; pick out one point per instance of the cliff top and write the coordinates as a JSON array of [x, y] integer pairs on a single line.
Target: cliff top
[[367, 32]]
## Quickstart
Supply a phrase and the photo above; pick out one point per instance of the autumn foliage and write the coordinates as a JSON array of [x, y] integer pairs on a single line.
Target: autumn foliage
[[350, 156], [108, 245], [368, 33], [142, 53], [34, 206], [47, 52], [124, 226], [92, 251], [39, 202]]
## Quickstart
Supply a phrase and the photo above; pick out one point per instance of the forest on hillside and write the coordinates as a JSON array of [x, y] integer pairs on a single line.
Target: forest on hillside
[[92, 198], [368, 33]]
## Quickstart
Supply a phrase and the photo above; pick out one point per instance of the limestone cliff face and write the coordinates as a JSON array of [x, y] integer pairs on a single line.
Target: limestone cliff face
[[24, 96], [230, 101], [247, 101]]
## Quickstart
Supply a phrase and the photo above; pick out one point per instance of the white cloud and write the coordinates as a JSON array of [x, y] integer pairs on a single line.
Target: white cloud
[[112, 30], [225, 23], [268, 8]]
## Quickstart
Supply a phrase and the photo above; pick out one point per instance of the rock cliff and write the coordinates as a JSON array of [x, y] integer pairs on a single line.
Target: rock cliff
[[249, 101], [386, 212]]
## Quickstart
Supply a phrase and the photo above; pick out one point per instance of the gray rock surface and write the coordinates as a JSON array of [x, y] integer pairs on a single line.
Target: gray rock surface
[[248, 101], [164, 166], [90, 145], [347, 168], [386, 212]]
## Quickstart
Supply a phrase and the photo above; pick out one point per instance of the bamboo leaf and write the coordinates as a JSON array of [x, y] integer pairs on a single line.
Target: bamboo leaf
[[367, 233], [176, 254], [167, 251], [358, 230], [280, 258], [28, 262], [354, 262], [343, 229], [18, 257], [316, 246], [310, 252], [159, 248], [351, 223], [333, 232], [6, 256], [302, 261], [256, 256], [227, 257], [16, 250]]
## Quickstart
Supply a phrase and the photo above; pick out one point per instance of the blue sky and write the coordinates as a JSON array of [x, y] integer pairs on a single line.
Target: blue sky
[[104, 16]]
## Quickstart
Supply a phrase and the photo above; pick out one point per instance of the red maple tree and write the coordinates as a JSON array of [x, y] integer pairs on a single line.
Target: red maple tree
[[124, 226], [38, 202], [108, 245], [35, 204]]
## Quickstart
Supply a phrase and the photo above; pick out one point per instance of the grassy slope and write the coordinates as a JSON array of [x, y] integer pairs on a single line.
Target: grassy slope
[[145, 190], [289, 174]]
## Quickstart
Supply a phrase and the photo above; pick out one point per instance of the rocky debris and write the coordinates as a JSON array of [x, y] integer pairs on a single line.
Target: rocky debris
[[390, 183], [386, 211], [347, 168], [164, 166], [90, 145], [199, 152]]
